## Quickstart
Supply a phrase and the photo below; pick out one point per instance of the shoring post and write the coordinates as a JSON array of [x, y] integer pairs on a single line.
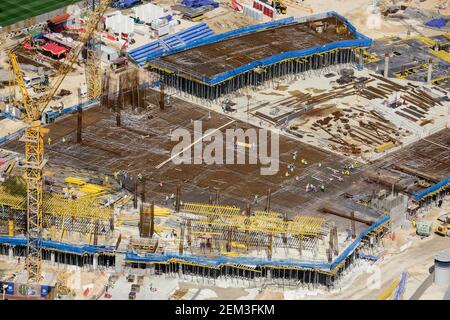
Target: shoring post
[[353, 224], [152, 219], [79, 124], [285, 225]]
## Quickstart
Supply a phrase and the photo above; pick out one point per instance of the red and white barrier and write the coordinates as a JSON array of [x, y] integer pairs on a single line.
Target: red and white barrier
[[264, 7]]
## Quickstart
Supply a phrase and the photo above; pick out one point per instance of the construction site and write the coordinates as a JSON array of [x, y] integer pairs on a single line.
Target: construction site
[[344, 105]]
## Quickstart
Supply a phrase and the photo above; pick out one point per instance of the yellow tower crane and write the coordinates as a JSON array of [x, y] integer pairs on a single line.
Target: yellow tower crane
[[33, 138]]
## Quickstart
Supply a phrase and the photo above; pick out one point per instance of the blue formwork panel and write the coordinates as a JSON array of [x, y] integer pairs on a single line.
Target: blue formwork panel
[[253, 262], [156, 49], [58, 246]]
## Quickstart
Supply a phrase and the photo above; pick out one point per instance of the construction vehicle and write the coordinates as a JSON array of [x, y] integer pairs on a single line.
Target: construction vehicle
[[34, 161], [279, 7], [444, 228]]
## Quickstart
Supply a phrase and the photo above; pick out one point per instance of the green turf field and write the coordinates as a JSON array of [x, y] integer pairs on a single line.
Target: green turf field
[[12, 11]]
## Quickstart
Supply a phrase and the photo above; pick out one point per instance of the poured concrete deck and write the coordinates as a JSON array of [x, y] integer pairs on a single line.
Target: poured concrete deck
[[218, 57]]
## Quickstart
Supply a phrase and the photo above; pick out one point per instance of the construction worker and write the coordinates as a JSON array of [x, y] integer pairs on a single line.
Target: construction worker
[[320, 164], [322, 188], [139, 176], [49, 140], [294, 155], [287, 174], [106, 180], [256, 198], [64, 139], [166, 200], [116, 175]]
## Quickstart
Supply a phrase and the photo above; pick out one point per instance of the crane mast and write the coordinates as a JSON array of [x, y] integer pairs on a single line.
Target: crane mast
[[34, 161]]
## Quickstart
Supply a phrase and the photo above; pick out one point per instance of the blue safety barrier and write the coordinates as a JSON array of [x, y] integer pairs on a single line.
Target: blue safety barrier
[[58, 246], [248, 261], [430, 191]]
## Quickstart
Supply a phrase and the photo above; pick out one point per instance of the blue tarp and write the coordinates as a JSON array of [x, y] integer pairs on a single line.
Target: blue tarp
[[133, 257], [424, 193], [164, 45], [436, 23]]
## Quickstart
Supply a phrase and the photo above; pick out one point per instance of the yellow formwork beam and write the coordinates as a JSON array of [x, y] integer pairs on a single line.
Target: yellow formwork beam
[[58, 205]]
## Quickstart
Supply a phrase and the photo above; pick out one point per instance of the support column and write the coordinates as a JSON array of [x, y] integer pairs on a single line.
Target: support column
[[52, 257], [430, 71], [161, 95], [11, 253], [335, 241], [152, 219], [178, 198], [181, 246], [135, 198], [353, 224], [386, 65], [95, 261]]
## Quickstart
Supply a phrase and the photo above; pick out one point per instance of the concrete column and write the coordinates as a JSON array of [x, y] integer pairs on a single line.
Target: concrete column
[[10, 253], [430, 71], [52, 257], [386, 65], [95, 262]]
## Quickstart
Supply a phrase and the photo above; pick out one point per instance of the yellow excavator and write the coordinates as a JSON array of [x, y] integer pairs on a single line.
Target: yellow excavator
[[444, 228]]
